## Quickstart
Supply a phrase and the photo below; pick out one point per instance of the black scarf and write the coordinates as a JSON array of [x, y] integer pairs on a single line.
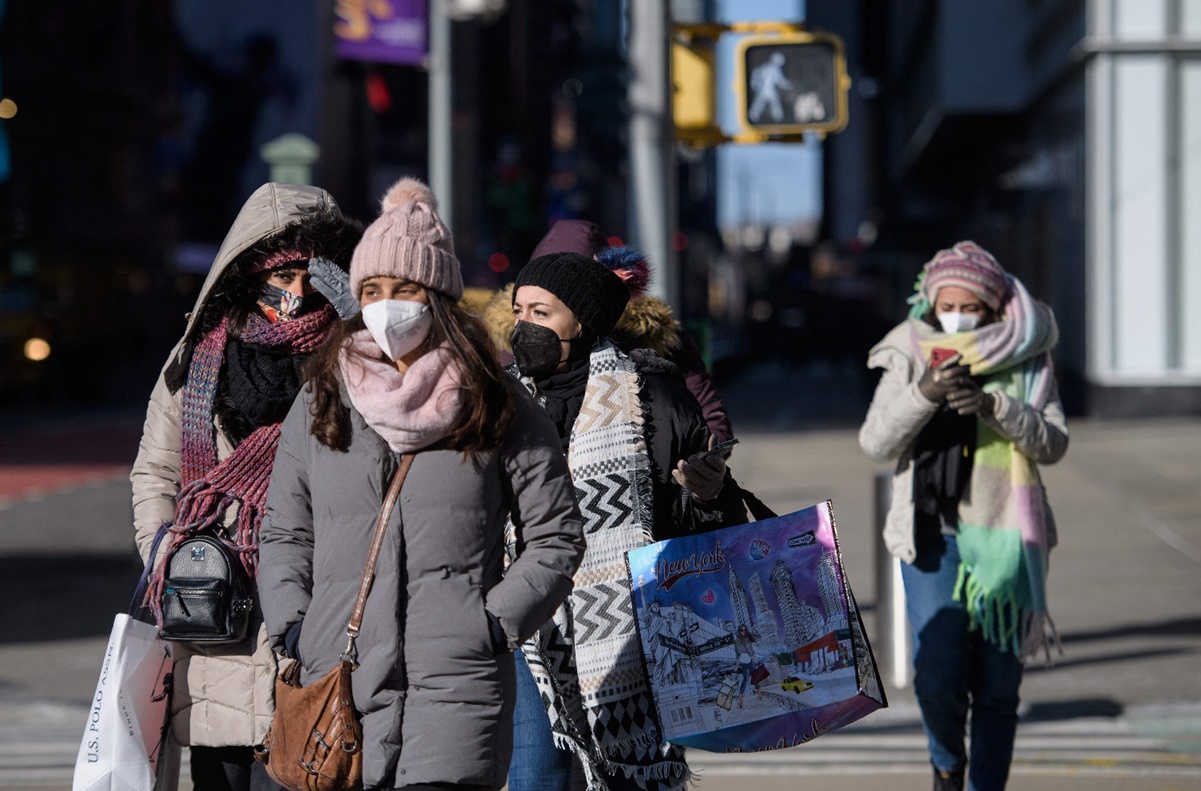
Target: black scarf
[[942, 469], [257, 387], [564, 394]]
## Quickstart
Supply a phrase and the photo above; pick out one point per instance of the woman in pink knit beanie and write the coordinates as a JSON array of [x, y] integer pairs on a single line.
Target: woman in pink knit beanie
[[414, 378], [966, 410]]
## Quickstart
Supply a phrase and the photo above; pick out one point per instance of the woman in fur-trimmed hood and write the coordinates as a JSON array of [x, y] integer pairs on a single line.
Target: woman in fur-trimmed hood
[[647, 322], [635, 443], [209, 442]]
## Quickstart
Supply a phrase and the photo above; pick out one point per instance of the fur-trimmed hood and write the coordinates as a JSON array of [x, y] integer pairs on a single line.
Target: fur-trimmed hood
[[497, 315], [647, 323]]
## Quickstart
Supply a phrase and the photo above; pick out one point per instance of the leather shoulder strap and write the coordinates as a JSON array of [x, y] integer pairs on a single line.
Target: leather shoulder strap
[[377, 541]]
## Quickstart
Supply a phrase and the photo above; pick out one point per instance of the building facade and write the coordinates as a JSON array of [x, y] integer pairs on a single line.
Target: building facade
[[1061, 135]]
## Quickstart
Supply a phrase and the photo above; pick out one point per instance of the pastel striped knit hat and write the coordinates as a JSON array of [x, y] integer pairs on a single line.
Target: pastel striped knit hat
[[409, 241], [967, 265]]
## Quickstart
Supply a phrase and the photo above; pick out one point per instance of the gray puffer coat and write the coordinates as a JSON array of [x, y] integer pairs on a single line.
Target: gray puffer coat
[[434, 690]]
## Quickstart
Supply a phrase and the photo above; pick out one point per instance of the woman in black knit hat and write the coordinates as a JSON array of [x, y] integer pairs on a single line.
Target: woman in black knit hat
[[636, 445]]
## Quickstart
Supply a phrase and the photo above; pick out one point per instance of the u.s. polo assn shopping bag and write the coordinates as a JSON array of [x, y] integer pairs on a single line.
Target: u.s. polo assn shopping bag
[[716, 610], [125, 729], [125, 745]]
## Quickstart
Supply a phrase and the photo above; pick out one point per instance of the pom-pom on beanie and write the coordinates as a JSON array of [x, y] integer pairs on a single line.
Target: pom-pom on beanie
[[630, 265], [967, 265], [594, 294], [408, 241]]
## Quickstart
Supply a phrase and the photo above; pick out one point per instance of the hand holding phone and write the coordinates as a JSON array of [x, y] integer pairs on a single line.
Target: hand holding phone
[[945, 373], [723, 449], [940, 355], [703, 473]]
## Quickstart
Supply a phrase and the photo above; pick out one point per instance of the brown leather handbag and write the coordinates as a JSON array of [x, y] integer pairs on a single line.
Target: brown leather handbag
[[315, 741]]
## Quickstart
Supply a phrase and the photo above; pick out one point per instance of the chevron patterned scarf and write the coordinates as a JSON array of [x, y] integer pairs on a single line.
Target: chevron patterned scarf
[[586, 659]]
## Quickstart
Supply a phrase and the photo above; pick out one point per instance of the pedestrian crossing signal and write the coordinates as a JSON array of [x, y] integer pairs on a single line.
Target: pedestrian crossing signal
[[792, 83]]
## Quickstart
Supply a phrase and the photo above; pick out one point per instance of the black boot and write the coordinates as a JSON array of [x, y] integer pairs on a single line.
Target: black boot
[[948, 781]]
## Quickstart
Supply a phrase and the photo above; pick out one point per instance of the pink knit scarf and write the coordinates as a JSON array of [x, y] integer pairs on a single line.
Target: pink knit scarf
[[208, 486], [412, 410]]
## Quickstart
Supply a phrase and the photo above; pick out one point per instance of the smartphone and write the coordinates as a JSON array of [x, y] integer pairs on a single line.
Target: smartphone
[[940, 355], [723, 449]]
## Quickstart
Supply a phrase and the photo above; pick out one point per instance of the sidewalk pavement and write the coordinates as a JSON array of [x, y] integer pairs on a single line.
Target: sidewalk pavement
[[1122, 709]]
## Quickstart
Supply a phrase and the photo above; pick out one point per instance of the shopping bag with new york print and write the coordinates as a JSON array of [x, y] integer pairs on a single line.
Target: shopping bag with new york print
[[751, 636]]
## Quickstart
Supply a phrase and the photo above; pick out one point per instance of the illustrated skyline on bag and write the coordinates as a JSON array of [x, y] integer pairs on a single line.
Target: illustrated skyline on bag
[[782, 579]]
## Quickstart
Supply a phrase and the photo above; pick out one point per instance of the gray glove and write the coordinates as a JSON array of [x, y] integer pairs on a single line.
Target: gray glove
[[969, 399], [702, 473], [938, 382], [334, 284]]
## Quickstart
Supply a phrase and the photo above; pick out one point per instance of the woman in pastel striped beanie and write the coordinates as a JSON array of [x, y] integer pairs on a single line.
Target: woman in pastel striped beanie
[[967, 408]]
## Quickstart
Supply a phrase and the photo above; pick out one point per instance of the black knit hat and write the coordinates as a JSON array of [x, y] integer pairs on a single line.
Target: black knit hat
[[594, 294]]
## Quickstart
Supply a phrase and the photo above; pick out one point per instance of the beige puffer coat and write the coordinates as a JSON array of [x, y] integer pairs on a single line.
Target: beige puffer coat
[[224, 694]]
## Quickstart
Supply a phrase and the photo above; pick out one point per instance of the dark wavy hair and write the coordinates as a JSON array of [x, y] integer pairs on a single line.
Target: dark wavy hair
[[321, 231], [488, 395]]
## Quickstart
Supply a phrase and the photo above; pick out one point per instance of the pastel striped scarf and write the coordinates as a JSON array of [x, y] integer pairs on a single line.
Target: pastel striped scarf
[[1002, 521]]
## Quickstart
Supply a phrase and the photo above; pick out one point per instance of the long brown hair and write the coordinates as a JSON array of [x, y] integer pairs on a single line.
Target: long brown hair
[[487, 389]]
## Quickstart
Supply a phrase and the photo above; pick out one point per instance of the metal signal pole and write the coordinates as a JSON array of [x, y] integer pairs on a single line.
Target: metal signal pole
[[440, 142], [652, 156]]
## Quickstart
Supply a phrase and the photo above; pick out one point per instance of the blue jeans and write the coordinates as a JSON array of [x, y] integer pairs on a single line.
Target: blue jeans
[[744, 671], [537, 764], [955, 670]]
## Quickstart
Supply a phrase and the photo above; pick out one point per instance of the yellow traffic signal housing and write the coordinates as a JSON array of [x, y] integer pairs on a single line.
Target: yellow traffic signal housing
[[692, 104], [792, 83]]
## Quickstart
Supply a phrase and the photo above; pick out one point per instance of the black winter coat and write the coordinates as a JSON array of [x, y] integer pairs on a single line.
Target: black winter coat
[[676, 429]]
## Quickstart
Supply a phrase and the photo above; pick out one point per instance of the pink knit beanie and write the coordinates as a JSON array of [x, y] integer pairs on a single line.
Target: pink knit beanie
[[967, 265], [409, 241]]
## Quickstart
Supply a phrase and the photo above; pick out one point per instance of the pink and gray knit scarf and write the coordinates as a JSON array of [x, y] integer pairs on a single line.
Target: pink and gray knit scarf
[[209, 487], [412, 410]]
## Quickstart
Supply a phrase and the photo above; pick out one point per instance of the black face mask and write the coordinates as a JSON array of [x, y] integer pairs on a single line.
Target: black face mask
[[536, 349]]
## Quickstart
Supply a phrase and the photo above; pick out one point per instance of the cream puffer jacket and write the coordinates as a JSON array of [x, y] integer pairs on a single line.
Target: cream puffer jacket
[[224, 694], [899, 412]]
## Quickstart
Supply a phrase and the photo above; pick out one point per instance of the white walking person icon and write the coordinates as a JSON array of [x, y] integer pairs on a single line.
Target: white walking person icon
[[766, 82]]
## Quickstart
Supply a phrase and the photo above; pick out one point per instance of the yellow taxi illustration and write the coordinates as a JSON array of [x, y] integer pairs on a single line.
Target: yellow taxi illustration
[[794, 684]]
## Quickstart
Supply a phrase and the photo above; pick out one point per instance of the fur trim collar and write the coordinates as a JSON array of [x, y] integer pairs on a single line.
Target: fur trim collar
[[497, 315], [648, 322]]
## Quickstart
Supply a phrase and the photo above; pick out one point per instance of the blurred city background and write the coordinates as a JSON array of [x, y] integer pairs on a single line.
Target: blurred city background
[[1063, 135]]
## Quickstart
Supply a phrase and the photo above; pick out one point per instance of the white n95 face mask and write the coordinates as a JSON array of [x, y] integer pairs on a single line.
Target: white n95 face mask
[[958, 322], [398, 326]]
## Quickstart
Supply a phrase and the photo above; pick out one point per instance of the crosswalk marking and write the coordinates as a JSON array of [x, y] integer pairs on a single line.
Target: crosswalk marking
[[39, 743], [892, 742]]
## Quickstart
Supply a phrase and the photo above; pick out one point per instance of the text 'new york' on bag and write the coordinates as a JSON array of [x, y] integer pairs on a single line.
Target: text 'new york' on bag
[[206, 593], [751, 636], [315, 739]]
